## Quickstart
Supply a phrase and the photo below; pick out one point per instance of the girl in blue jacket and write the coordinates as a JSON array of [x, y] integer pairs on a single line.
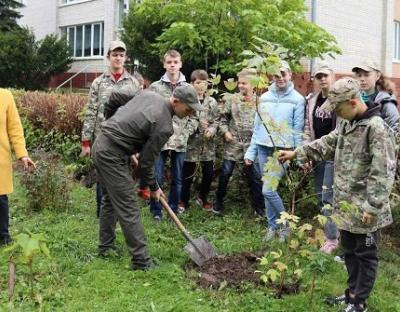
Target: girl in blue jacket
[[282, 110]]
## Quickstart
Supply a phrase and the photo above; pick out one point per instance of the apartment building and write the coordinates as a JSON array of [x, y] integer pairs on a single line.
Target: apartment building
[[89, 26], [363, 28]]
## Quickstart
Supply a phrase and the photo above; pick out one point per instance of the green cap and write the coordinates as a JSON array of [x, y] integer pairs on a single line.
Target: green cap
[[344, 89], [367, 66], [188, 95]]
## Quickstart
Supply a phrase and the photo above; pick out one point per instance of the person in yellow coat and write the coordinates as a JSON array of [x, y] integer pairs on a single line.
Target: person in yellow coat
[[11, 134]]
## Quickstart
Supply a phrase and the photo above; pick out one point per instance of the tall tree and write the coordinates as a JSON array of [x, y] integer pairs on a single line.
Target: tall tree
[[211, 34], [9, 15]]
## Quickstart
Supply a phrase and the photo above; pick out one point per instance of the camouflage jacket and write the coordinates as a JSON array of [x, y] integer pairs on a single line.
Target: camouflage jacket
[[99, 95], [365, 164], [183, 127], [237, 117], [199, 147]]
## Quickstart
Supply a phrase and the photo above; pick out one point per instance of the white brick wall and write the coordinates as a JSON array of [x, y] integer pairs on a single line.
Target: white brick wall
[[41, 16], [363, 29]]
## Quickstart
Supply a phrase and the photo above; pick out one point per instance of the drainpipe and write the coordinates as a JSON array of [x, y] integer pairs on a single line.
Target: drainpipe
[[313, 20]]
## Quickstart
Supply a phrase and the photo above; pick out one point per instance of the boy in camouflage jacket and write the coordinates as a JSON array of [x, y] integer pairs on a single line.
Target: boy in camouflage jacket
[[175, 148], [236, 127], [115, 78], [363, 149], [201, 144]]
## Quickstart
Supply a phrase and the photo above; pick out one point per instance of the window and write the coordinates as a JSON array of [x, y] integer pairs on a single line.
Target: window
[[66, 2], [85, 40], [396, 45]]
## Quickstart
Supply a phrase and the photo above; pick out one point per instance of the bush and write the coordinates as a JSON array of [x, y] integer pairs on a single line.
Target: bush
[[29, 64], [51, 121], [46, 187]]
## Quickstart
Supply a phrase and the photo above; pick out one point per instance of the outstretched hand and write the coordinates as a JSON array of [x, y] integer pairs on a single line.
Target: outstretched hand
[[27, 163], [286, 155]]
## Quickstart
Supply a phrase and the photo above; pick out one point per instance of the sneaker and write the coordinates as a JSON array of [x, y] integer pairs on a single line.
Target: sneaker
[[329, 246], [6, 241], [217, 208], [283, 233], [181, 209], [339, 258], [205, 204], [336, 300], [145, 267], [351, 307], [157, 219], [269, 235]]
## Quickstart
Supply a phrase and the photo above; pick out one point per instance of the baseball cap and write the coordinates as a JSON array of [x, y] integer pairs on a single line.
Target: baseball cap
[[367, 66], [343, 90], [188, 95], [116, 44], [284, 66], [322, 68]]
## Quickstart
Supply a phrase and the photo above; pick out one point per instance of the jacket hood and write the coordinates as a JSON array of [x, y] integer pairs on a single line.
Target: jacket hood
[[382, 97], [373, 110], [166, 79], [289, 88]]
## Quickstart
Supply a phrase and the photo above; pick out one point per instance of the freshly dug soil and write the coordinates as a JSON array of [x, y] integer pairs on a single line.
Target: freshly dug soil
[[234, 270]]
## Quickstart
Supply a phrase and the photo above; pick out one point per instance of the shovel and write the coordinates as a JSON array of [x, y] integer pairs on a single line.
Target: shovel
[[198, 249]]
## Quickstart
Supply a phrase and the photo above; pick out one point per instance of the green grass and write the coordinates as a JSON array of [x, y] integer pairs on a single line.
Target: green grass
[[74, 279]]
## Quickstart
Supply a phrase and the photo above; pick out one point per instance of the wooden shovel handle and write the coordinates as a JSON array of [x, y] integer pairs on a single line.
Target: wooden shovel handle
[[172, 215]]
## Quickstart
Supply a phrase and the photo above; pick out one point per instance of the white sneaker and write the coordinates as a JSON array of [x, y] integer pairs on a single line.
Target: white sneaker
[[283, 233], [269, 235]]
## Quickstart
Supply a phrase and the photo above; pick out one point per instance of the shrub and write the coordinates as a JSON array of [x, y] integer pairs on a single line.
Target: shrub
[[51, 121], [28, 63], [46, 187]]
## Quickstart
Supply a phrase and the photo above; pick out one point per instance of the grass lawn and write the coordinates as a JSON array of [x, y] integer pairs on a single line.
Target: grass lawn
[[74, 279]]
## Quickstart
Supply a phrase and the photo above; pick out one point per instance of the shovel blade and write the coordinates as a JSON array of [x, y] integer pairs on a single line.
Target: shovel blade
[[201, 252]]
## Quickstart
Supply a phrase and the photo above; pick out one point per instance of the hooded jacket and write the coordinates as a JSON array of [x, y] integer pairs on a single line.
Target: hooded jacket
[[283, 113], [364, 157]]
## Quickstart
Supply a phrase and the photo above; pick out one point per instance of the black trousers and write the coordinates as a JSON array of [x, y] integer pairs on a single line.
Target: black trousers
[[361, 259], [4, 235], [253, 179], [189, 169]]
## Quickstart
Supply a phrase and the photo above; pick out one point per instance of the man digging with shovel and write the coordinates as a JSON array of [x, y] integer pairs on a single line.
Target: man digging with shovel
[[143, 125]]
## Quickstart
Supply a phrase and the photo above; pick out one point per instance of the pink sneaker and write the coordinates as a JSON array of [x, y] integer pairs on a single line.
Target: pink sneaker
[[329, 246]]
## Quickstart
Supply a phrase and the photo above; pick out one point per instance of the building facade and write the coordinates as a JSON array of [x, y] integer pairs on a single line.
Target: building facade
[[368, 29], [89, 26]]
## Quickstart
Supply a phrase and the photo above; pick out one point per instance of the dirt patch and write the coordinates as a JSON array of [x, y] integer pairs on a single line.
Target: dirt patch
[[231, 271], [234, 271]]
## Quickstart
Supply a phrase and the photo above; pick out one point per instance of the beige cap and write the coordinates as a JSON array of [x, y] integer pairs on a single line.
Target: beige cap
[[344, 89], [116, 44], [322, 68], [284, 66], [367, 66]]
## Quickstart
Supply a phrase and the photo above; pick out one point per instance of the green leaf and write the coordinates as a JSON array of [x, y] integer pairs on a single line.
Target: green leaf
[[273, 274], [294, 244], [264, 261], [230, 84], [281, 266]]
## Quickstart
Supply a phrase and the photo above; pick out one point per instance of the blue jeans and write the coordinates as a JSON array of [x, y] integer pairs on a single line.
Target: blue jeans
[[4, 235], [323, 173], [253, 179], [273, 202], [177, 160]]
